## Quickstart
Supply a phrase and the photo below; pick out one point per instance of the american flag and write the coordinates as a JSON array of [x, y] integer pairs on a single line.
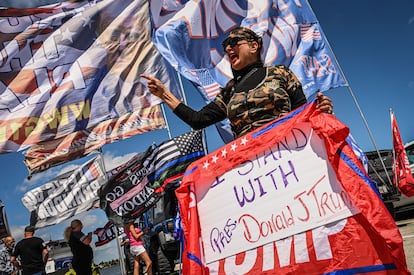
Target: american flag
[[92, 170], [172, 157], [309, 32], [211, 87]]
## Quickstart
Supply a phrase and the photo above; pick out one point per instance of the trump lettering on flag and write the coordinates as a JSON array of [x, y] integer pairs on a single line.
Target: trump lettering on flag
[[70, 66], [66, 195], [189, 34], [297, 200]]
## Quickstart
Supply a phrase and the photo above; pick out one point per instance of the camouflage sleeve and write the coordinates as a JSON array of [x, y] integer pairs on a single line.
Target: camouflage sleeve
[[5, 265]]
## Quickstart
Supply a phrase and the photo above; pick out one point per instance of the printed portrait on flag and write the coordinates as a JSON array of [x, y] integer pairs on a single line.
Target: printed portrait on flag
[[66, 195], [297, 201], [70, 66]]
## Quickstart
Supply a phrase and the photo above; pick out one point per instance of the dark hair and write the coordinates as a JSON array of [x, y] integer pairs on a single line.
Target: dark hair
[[29, 228]]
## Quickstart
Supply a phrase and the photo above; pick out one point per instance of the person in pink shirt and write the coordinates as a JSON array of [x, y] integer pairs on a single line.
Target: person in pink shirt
[[137, 248]]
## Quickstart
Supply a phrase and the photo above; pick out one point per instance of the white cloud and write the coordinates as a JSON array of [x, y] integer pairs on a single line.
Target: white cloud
[[411, 20], [112, 161]]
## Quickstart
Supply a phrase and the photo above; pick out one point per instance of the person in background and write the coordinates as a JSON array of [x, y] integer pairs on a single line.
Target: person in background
[[32, 252], [129, 259], [137, 248], [6, 266], [255, 96], [80, 246]]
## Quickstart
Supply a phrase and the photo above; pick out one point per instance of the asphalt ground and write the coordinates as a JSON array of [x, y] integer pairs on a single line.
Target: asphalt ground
[[405, 223]]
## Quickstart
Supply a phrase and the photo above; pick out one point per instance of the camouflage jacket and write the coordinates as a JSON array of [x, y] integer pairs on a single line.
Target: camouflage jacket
[[248, 109]]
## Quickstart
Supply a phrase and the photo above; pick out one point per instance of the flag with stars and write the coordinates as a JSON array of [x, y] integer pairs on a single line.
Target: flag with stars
[[71, 66], [141, 183], [291, 197], [189, 35]]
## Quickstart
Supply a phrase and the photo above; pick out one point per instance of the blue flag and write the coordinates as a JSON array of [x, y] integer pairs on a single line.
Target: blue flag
[[189, 35]]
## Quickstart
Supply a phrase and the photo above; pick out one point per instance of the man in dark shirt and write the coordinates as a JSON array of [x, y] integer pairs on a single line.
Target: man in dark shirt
[[32, 252]]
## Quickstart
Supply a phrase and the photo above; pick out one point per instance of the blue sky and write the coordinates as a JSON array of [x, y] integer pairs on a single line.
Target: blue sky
[[372, 41]]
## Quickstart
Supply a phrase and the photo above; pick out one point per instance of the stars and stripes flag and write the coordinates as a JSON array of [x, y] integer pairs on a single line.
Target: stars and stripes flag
[[68, 194], [403, 177], [140, 184], [189, 35], [296, 201], [71, 66]]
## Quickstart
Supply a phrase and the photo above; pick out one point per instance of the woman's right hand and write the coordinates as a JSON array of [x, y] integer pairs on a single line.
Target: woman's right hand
[[155, 86]]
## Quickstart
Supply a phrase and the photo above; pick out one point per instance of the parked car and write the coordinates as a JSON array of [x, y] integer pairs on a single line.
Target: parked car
[[381, 172]]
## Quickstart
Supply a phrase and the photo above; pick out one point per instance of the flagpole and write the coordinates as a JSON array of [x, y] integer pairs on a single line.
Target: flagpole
[[118, 243], [180, 81], [166, 121], [356, 102], [184, 100], [394, 163]]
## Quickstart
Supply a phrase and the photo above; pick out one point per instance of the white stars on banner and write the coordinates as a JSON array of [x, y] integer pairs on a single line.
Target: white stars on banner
[[223, 154]]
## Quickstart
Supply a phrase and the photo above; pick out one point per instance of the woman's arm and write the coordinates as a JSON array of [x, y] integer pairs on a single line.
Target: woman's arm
[[208, 115], [136, 235]]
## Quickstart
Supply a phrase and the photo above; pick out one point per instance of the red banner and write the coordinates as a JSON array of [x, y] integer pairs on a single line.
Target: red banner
[[403, 177], [364, 240]]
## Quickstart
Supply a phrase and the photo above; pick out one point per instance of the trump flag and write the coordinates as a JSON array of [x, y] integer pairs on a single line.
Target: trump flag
[[66, 195], [297, 201], [70, 66], [189, 35]]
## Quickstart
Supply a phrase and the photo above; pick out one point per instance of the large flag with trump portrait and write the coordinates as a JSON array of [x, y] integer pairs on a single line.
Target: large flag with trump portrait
[[70, 66], [297, 201], [189, 35]]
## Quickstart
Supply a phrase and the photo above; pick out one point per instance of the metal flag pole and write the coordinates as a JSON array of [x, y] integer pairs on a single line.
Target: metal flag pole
[[180, 80], [118, 243], [166, 121], [356, 102]]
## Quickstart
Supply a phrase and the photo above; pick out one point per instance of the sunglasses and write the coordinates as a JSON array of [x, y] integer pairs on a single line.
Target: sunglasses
[[232, 41]]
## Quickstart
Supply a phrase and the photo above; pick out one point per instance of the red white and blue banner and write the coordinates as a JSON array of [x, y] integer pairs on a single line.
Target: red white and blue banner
[[66, 195], [107, 233], [189, 35], [45, 155], [70, 66], [297, 201], [403, 177]]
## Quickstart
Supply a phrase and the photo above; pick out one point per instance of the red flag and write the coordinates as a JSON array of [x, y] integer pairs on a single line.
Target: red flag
[[365, 241], [403, 178]]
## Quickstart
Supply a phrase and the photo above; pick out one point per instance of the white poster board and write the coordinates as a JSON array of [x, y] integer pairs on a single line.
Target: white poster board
[[288, 188]]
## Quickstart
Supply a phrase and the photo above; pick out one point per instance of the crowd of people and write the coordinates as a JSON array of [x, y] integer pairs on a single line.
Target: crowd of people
[[29, 255]]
